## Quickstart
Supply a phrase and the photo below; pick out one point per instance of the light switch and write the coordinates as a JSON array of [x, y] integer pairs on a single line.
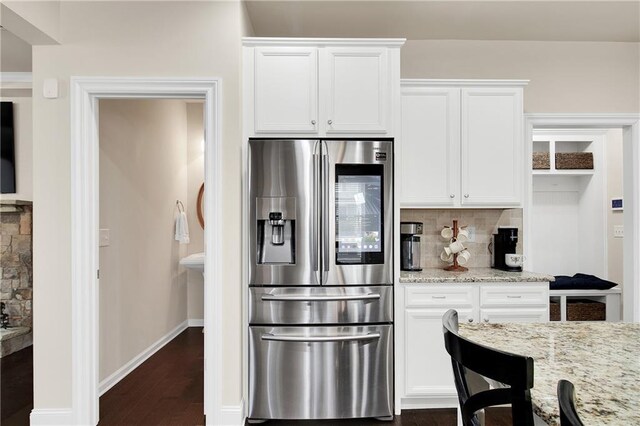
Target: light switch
[[105, 239], [618, 231], [50, 88]]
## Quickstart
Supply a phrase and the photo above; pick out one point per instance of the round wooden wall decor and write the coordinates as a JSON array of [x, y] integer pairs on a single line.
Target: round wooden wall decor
[[200, 207]]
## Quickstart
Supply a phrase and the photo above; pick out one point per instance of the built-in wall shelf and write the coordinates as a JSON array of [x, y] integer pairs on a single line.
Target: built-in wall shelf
[[561, 143]]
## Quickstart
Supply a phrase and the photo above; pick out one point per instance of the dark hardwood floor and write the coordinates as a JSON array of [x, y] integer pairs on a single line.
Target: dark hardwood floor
[[16, 387], [167, 389]]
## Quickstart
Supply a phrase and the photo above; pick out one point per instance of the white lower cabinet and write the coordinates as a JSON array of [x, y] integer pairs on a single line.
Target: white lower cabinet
[[426, 378]]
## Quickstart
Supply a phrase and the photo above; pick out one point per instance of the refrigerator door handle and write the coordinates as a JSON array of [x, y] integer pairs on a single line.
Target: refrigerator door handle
[[316, 217], [325, 213], [337, 297], [337, 338]]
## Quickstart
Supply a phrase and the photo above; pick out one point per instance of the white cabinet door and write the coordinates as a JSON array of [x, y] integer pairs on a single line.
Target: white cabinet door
[[430, 148], [492, 146], [427, 365], [286, 90], [356, 86]]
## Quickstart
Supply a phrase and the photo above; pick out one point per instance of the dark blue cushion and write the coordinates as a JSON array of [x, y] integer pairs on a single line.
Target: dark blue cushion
[[580, 282]]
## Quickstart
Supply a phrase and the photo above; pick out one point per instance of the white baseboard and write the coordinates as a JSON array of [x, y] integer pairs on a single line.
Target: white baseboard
[[232, 415], [51, 417], [123, 371], [196, 322]]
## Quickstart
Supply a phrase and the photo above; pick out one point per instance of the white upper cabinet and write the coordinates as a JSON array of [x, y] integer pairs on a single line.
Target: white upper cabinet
[[430, 148], [286, 89], [357, 89], [462, 143], [492, 146], [321, 87]]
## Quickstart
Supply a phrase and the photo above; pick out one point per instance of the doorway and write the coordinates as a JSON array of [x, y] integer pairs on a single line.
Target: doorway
[[629, 125], [85, 96], [151, 167]]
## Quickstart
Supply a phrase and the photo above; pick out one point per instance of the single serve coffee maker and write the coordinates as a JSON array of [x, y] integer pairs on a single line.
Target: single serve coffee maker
[[410, 246], [503, 244]]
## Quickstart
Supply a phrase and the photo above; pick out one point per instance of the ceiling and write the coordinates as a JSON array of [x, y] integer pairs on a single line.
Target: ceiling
[[449, 20]]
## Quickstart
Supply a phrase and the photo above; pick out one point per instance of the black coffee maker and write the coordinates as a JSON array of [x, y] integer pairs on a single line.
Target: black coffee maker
[[504, 242]]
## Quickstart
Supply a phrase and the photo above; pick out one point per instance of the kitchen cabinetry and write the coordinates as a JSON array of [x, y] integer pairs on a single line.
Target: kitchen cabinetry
[[426, 379], [462, 143], [321, 87]]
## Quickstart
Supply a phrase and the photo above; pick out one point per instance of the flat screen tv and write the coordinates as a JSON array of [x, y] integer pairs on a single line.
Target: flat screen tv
[[7, 150]]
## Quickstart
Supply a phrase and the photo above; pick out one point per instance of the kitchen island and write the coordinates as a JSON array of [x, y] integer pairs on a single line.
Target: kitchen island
[[601, 359]]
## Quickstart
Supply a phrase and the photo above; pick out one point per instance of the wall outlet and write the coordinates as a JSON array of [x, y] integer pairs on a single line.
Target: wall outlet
[[472, 233], [618, 231], [105, 238]]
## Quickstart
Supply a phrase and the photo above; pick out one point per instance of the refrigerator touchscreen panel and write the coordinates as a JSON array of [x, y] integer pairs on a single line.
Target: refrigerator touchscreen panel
[[359, 214]]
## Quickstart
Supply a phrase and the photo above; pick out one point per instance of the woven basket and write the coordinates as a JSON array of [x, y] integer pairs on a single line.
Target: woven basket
[[574, 160], [579, 310], [541, 160]]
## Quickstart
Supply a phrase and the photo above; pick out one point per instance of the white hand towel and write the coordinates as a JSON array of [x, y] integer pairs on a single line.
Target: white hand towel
[[182, 228]]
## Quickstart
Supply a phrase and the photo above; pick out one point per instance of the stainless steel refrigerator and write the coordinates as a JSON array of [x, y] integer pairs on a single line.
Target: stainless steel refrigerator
[[321, 279]]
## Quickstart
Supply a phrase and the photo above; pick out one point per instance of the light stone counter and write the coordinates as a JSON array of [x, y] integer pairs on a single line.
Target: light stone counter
[[600, 358], [473, 275]]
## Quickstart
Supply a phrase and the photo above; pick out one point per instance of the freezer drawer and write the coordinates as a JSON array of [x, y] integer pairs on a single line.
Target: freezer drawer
[[320, 305], [320, 372]]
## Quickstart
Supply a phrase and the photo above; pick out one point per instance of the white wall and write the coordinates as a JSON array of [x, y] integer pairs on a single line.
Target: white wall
[[23, 122], [615, 162], [143, 158], [170, 39], [565, 76], [195, 178]]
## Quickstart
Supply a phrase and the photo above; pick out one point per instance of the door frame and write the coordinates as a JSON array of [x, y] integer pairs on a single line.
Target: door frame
[[630, 125], [85, 92]]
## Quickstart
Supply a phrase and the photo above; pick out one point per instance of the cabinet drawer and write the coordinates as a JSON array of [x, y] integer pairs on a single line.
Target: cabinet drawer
[[498, 315], [523, 294], [439, 296]]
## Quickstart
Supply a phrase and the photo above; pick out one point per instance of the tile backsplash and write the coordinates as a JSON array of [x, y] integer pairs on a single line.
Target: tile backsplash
[[485, 221]]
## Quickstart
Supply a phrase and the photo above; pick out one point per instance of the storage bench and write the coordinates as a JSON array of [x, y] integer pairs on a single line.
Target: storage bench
[[611, 299]]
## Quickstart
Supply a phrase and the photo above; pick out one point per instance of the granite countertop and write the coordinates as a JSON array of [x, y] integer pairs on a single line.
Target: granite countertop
[[473, 275], [600, 358]]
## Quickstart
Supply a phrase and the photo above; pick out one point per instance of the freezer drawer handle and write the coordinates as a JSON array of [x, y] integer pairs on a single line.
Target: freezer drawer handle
[[276, 298], [347, 338]]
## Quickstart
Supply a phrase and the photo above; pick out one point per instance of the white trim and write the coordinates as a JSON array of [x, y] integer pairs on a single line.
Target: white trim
[[630, 123], [16, 80], [303, 41], [51, 417], [194, 322], [85, 93], [436, 82], [136, 361], [232, 415]]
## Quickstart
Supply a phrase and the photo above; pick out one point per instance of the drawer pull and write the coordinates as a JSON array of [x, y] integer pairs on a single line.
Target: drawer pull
[[326, 298], [486, 320], [470, 320], [438, 297], [510, 296], [337, 338]]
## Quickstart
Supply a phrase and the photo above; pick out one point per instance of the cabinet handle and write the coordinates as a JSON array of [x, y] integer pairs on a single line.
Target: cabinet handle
[[438, 297], [486, 320], [470, 320], [330, 122], [466, 195], [313, 122], [510, 296], [452, 195]]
